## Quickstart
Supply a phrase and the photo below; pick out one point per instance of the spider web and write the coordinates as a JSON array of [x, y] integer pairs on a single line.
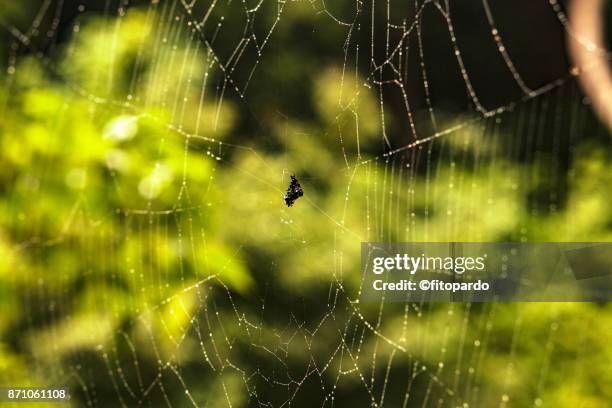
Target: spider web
[[195, 286]]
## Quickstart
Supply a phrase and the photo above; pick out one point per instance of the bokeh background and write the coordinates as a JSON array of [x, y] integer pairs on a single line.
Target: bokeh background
[[146, 254]]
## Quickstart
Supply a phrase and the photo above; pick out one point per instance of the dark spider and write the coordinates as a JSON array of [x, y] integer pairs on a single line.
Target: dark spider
[[294, 191]]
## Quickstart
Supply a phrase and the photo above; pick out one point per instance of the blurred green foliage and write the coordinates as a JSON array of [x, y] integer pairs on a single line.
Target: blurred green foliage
[[134, 228]]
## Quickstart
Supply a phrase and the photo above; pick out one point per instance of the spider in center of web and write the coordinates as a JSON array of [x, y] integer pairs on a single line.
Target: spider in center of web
[[294, 191]]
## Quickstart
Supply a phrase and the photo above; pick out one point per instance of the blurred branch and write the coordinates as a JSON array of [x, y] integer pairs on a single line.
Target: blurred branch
[[588, 51]]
